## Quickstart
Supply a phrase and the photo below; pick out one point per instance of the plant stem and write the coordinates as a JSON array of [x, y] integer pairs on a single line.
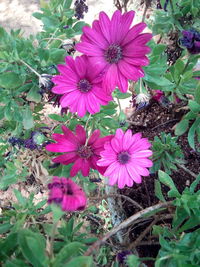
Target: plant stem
[[28, 66], [54, 227], [119, 104], [125, 224], [186, 170]]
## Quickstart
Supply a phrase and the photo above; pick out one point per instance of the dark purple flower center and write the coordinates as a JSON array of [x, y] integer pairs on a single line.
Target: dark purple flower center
[[113, 53], [123, 157], [69, 190], [85, 152], [84, 86]]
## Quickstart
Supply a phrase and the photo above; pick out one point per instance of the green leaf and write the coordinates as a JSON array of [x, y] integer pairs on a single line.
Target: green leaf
[[81, 261], [194, 106], [10, 80], [182, 127], [78, 27], [56, 56], [133, 260], [28, 122], [121, 95], [191, 133], [33, 247], [20, 198], [56, 117], [158, 191], [68, 252], [33, 95], [57, 212], [167, 180], [197, 94], [5, 227]]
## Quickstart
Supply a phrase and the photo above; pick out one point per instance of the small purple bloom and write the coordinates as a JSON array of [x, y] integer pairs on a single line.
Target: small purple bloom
[[191, 40], [80, 9], [121, 256]]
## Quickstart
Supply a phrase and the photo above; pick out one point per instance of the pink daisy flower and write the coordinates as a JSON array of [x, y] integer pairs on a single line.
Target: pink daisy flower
[[126, 158], [80, 86], [76, 149], [67, 194], [117, 49]]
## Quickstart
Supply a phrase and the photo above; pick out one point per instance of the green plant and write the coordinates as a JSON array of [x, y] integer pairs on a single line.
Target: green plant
[[166, 153]]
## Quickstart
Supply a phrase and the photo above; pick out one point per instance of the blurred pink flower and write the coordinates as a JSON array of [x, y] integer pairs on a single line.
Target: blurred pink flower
[[80, 86], [126, 158], [67, 194], [157, 94], [116, 49], [76, 150]]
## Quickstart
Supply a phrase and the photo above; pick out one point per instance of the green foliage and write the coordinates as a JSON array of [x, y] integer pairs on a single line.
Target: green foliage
[[191, 122], [179, 16], [177, 247], [166, 153]]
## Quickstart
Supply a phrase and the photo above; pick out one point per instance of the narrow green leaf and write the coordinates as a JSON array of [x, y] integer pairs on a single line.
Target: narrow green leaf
[[182, 127], [191, 133], [158, 191]]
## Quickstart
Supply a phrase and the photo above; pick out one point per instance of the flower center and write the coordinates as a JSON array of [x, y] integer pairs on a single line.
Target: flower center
[[69, 190], [84, 86], [85, 152], [113, 54], [123, 157]]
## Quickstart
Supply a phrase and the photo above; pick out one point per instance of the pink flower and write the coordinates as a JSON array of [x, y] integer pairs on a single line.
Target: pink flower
[[126, 158], [157, 94], [76, 150], [80, 86], [116, 49], [67, 194]]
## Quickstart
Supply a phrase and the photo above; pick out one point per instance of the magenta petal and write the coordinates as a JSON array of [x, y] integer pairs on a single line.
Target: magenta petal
[[80, 66], [63, 89], [104, 23], [95, 37], [81, 108], [142, 39], [89, 49], [85, 169], [70, 62], [76, 167], [112, 168], [133, 173], [61, 147], [126, 21], [122, 82], [133, 32], [140, 61], [110, 78], [127, 140], [95, 135], [130, 71], [81, 134], [114, 29]]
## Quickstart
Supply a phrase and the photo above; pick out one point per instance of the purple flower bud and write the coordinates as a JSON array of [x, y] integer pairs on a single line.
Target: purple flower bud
[[80, 9]]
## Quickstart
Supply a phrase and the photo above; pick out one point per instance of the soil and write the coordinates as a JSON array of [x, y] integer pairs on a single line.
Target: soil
[[151, 121]]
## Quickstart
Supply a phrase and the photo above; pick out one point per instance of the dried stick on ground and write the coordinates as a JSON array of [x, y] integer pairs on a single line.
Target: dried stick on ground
[[121, 196], [125, 224]]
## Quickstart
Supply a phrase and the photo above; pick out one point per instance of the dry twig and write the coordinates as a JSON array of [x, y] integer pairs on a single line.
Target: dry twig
[[125, 224]]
